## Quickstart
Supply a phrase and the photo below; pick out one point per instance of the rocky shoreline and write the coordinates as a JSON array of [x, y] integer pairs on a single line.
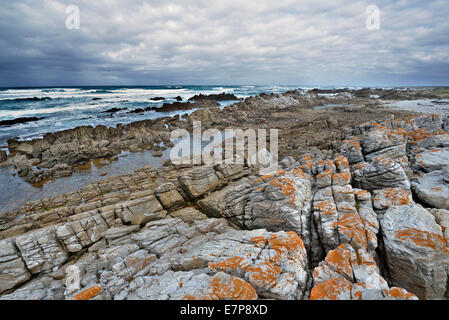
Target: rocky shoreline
[[56, 154], [359, 209]]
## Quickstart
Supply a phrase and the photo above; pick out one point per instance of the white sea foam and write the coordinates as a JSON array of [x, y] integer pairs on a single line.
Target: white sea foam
[[20, 113]]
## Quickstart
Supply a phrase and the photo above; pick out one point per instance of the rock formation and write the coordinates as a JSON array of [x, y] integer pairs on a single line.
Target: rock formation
[[369, 223]]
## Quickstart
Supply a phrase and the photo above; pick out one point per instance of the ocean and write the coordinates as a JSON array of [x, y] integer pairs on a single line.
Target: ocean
[[63, 108]]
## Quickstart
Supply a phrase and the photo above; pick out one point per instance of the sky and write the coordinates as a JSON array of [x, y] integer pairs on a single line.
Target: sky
[[228, 42]]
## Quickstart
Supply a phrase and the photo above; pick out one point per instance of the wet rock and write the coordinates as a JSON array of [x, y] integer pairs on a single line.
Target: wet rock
[[416, 251], [138, 110], [3, 156], [157, 153]]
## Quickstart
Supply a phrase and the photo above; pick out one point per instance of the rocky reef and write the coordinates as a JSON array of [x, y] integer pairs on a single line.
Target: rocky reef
[[363, 217]]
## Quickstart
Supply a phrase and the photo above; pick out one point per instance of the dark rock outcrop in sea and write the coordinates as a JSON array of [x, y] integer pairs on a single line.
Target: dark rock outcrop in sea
[[18, 121], [183, 106], [215, 97], [30, 99], [114, 110]]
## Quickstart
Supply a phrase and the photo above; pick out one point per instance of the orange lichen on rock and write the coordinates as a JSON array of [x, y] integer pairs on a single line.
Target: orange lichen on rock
[[327, 172], [286, 184], [340, 258], [88, 293], [307, 158], [326, 207], [396, 196], [353, 142], [298, 171], [357, 295], [424, 239], [234, 289], [327, 163], [385, 161], [233, 263], [359, 166], [333, 289], [362, 194], [341, 178], [342, 162], [289, 243], [280, 172], [259, 241], [399, 293], [307, 165], [351, 225], [264, 274], [418, 135]]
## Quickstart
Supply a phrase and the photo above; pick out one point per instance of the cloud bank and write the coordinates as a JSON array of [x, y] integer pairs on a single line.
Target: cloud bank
[[224, 42]]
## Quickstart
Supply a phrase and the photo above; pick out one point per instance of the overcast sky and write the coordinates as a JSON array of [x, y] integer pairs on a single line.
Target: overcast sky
[[302, 42]]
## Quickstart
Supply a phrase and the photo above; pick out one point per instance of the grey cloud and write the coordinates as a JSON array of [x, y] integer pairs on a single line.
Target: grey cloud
[[224, 42]]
